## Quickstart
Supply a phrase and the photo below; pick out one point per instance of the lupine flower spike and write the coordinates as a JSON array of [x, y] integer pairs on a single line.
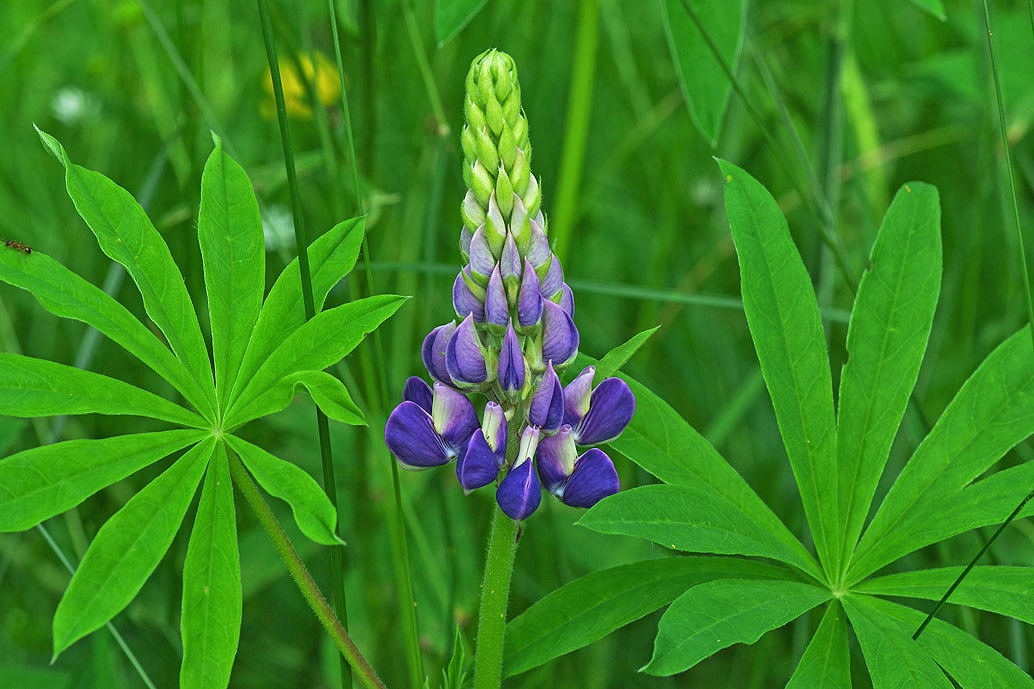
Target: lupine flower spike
[[513, 334]]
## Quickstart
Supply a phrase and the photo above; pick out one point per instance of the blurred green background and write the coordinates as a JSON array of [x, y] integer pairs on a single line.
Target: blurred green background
[[879, 93]]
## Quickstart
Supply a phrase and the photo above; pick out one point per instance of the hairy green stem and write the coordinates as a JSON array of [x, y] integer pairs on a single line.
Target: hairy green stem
[[495, 592], [576, 132], [313, 596], [495, 587], [301, 243]]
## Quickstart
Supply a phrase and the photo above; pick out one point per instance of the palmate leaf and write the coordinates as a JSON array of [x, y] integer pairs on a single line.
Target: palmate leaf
[[887, 336], [779, 301], [718, 614], [67, 295], [36, 387], [662, 443], [322, 341], [313, 512], [126, 235], [329, 394], [128, 548], [973, 664], [894, 660], [1004, 590], [687, 518], [992, 412], [37, 484], [331, 257], [233, 253], [212, 596], [705, 85], [826, 663], [589, 608]]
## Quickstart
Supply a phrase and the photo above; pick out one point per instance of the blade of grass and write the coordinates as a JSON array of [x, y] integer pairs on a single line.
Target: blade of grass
[[1026, 293], [301, 242]]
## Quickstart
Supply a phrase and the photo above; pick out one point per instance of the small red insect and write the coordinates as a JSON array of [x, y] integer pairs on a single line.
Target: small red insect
[[18, 246]]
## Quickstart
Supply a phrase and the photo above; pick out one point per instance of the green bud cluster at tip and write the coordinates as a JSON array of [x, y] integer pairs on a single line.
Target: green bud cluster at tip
[[496, 152]]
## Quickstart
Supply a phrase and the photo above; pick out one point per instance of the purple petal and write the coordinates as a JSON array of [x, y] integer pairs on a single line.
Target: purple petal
[[556, 459], [594, 478], [465, 301], [538, 248], [610, 409], [559, 335], [497, 311], [416, 390], [481, 259], [493, 427], [463, 355], [453, 416], [547, 404], [465, 235], [529, 305], [519, 493], [577, 395], [510, 260], [478, 466], [433, 351], [567, 300], [553, 280], [511, 362], [409, 434]]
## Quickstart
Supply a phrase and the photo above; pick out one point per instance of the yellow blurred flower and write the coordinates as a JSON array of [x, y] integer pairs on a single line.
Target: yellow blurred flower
[[327, 85]]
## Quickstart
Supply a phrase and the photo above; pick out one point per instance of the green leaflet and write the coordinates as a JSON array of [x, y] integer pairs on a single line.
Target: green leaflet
[[212, 596], [893, 658], [331, 257], [705, 84], [454, 673], [886, 338], [718, 614], [233, 253], [589, 608], [36, 387], [452, 15], [934, 7], [320, 342], [783, 316], [67, 295], [128, 548], [826, 663], [329, 394], [992, 412], [37, 484], [613, 360], [312, 510], [1005, 590], [688, 518], [973, 664], [662, 443], [125, 234]]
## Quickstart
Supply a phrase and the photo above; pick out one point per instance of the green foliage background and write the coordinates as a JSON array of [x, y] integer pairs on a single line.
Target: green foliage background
[[879, 93]]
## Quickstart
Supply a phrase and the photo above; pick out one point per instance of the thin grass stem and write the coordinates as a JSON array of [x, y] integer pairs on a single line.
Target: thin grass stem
[[1026, 292], [301, 244]]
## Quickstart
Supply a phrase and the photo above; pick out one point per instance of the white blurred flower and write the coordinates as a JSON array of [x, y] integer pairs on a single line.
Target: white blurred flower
[[278, 227], [72, 105]]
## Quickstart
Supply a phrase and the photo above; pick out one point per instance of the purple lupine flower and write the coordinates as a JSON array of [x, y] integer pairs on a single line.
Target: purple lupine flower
[[515, 332], [486, 451], [576, 481], [433, 352], [465, 355], [597, 415], [519, 493], [420, 440], [547, 404]]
